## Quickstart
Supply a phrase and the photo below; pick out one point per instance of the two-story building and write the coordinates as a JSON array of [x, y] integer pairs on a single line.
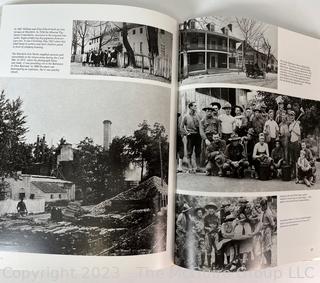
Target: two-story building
[[253, 56], [138, 39], [207, 50]]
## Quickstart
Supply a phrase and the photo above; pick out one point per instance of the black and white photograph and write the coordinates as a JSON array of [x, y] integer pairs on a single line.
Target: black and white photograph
[[236, 50], [241, 140], [106, 48], [226, 234], [84, 167]]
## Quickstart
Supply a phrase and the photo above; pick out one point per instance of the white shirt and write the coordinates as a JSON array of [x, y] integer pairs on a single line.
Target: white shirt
[[294, 129], [227, 123], [273, 128]]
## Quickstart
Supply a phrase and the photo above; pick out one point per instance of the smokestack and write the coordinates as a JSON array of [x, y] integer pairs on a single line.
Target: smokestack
[[106, 134]]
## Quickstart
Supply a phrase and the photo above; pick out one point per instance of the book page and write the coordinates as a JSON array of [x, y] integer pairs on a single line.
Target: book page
[[86, 100], [247, 146]]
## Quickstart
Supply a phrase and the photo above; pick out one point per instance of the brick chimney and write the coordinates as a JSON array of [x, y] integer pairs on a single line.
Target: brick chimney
[[106, 134]]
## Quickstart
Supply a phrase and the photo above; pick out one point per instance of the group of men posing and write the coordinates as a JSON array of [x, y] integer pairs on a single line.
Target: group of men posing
[[255, 138], [100, 58], [236, 237]]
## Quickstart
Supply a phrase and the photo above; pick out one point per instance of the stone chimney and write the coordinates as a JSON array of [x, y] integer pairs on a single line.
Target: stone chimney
[[106, 134]]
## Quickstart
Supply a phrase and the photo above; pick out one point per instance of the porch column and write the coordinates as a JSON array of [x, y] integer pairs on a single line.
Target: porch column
[[228, 50], [185, 64], [205, 51]]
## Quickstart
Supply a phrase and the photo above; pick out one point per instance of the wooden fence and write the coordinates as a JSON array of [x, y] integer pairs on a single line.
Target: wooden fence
[[158, 66]]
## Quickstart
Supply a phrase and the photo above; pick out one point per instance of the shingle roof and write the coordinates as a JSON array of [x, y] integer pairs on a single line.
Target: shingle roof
[[49, 187]]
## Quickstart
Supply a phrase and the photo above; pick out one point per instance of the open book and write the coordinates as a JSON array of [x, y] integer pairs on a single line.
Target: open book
[[130, 140]]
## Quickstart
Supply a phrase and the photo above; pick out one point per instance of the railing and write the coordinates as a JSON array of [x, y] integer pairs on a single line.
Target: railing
[[196, 67], [195, 46]]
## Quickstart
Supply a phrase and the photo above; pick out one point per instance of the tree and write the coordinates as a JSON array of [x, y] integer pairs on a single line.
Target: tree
[[131, 57], [83, 33], [138, 145], [266, 47], [75, 37], [149, 148], [251, 31], [12, 133], [85, 166], [118, 161]]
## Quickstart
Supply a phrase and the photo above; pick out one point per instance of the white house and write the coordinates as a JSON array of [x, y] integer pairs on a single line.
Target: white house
[[40, 187]]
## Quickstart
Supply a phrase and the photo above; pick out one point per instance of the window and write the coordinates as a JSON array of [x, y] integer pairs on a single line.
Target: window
[[133, 31], [141, 30], [32, 196], [141, 47], [60, 196], [51, 196], [192, 24], [162, 50], [161, 31]]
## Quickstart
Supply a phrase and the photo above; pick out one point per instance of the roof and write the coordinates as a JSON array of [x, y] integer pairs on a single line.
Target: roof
[[146, 189], [49, 187], [250, 48]]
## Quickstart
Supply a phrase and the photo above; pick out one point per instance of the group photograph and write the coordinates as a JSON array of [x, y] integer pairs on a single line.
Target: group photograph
[[226, 234], [241, 140], [235, 50], [83, 168], [106, 48]]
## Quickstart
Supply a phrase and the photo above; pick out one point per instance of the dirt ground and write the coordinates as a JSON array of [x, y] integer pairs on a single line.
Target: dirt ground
[[78, 69], [201, 182], [271, 80]]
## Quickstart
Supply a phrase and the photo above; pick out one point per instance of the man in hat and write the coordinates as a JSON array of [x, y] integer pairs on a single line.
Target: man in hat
[[294, 141], [211, 222], [22, 208], [183, 235], [310, 158], [249, 116], [257, 122], [190, 127], [215, 156], [216, 108], [199, 232], [249, 143], [264, 114], [180, 145], [209, 125], [277, 155], [271, 130], [241, 121], [227, 122], [241, 207], [268, 226], [224, 211], [236, 161], [280, 109]]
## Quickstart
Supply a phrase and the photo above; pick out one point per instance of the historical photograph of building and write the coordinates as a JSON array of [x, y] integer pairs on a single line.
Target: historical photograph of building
[[226, 234], [84, 168], [228, 50], [245, 140], [107, 48]]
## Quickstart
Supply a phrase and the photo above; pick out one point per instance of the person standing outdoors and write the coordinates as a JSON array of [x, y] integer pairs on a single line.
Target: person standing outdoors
[[190, 127], [227, 123], [294, 142]]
